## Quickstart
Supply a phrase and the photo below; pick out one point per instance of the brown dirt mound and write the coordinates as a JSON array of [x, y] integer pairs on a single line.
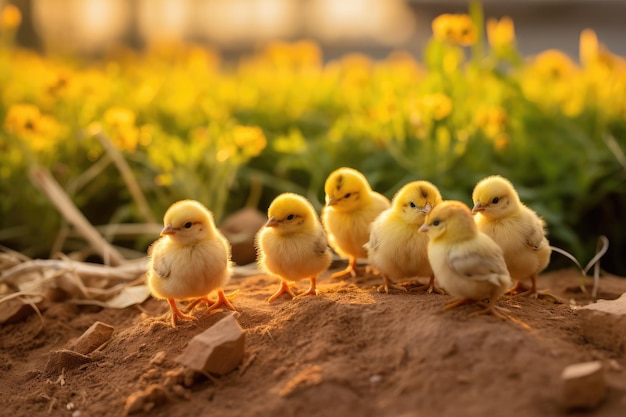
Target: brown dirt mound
[[350, 351]]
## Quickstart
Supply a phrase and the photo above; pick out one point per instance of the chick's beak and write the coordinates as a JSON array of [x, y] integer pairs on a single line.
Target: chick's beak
[[423, 228], [272, 222], [427, 208], [168, 230], [477, 207], [331, 201]]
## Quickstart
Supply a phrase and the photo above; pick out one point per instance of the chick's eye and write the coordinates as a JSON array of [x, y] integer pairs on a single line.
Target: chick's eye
[[347, 195], [495, 200], [290, 217], [188, 225], [412, 204], [436, 223]]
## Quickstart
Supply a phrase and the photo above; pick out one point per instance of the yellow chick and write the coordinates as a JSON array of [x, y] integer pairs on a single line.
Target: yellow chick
[[467, 263], [293, 245], [395, 248], [517, 229], [191, 259], [351, 206]]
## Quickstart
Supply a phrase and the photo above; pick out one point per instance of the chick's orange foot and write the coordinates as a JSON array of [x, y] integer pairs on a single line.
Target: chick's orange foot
[[222, 300], [388, 283], [430, 287], [351, 270], [284, 288], [311, 291], [197, 301], [491, 308], [520, 290], [177, 314]]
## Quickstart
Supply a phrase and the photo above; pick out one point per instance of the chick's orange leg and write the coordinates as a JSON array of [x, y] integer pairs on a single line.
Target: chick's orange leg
[[499, 312], [431, 286], [195, 302], [284, 288], [491, 308], [532, 292], [349, 270], [177, 314], [388, 283], [312, 289], [222, 300], [456, 303]]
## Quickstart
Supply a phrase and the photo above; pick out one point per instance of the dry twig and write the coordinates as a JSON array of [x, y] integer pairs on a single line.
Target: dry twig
[[42, 179]]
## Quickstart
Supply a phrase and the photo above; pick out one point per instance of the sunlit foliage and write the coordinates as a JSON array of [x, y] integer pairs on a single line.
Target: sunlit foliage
[[193, 125]]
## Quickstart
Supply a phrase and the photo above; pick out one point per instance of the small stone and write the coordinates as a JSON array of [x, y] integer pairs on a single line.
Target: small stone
[[375, 379], [135, 402], [15, 310], [240, 228], [145, 400], [64, 359], [156, 393], [584, 385], [92, 339], [181, 392], [158, 358], [218, 350], [604, 323]]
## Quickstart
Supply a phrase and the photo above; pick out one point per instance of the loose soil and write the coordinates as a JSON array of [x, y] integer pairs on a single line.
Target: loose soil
[[350, 351]]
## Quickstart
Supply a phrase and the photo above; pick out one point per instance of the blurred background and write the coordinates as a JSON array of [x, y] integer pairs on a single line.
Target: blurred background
[[134, 104], [371, 26]]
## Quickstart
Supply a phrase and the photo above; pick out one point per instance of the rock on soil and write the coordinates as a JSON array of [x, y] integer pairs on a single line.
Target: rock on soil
[[604, 323], [584, 385]]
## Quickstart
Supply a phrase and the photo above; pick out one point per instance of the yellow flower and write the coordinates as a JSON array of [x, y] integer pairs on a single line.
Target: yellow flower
[[588, 46], [307, 53], [22, 119], [27, 122], [595, 55], [121, 122], [494, 123], [250, 140], [438, 105], [454, 28], [10, 18], [501, 33], [554, 64], [301, 54]]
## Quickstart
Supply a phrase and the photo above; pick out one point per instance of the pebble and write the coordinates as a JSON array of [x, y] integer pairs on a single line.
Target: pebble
[[584, 385], [94, 337], [217, 350], [604, 323], [59, 360]]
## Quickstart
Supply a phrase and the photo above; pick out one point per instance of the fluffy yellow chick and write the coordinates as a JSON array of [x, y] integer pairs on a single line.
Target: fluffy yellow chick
[[517, 229], [293, 245], [191, 259], [351, 206], [467, 263], [395, 248]]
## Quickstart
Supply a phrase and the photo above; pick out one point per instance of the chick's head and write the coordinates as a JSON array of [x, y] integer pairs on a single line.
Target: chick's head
[[187, 222], [495, 197], [415, 200], [291, 213], [450, 221], [347, 189]]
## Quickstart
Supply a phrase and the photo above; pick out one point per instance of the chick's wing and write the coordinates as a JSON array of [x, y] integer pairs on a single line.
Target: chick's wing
[[477, 264], [535, 232], [320, 244], [160, 263]]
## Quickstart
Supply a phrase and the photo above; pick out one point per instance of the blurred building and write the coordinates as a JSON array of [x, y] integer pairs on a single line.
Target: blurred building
[[371, 26]]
